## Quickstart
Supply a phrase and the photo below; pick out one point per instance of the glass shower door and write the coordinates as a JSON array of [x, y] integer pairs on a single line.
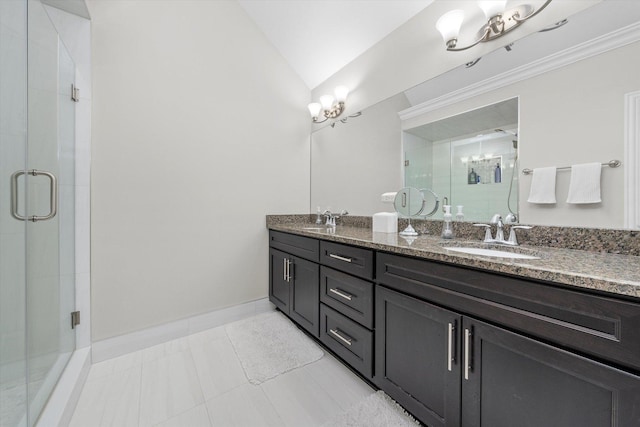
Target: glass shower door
[[37, 205], [50, 266], [13, 143]]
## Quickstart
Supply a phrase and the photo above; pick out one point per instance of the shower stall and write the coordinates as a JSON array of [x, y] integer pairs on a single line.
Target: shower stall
[[37, 210]]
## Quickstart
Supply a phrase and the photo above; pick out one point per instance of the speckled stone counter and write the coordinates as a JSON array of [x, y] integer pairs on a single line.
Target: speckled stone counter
[[605, 272]]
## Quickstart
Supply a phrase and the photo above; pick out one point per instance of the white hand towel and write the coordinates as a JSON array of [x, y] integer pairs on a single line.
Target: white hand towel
[[543, 186], [585, 183]]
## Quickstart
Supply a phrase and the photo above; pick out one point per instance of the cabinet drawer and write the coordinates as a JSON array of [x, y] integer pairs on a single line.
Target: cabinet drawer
[[347, 339], [304, 247], [349, 295], [601, 326], [352, 260]]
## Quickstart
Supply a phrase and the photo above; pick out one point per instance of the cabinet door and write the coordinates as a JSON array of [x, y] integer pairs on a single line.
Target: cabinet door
[[305, 294], [417, 357], [279, 287], [517, 381]]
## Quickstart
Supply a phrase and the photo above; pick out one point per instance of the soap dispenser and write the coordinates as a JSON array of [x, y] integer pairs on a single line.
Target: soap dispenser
[[460, 214], [447, 226]]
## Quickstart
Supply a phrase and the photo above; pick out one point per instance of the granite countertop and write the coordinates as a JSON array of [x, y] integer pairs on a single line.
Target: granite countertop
[[605, 272]]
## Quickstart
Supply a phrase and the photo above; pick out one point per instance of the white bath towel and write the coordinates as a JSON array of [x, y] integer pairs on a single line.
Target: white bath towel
[[543, 186], [585, 183]]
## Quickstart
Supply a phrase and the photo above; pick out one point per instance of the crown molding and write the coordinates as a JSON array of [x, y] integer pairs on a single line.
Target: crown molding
[[616, 39]]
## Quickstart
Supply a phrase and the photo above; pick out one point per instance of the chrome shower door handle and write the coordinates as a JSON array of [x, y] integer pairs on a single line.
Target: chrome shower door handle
[[53, 195], [14, 196]]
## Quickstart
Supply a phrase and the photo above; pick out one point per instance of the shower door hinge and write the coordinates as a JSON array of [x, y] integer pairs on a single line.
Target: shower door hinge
[[406, 163], [75, 319], [75, 93]]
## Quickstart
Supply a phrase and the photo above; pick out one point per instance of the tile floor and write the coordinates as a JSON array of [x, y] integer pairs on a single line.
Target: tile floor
[[197, 381]]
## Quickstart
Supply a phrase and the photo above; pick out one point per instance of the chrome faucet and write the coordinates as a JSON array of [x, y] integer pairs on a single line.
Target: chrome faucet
[[497, 221], [331, 217]]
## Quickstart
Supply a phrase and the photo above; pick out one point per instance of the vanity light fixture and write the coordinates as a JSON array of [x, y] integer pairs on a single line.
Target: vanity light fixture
[[329, 107], [499, 22]]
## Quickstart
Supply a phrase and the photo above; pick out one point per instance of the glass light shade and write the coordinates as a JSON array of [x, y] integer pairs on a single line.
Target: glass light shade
[[492, 8], [341, 93], [326, 101], [449, 24], [314, 109]]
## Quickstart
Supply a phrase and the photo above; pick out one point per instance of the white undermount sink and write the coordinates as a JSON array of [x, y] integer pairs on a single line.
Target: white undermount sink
[[491, 253]]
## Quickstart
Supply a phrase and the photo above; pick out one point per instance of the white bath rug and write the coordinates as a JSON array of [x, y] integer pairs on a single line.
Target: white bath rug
[[269, 345], [376, 410]]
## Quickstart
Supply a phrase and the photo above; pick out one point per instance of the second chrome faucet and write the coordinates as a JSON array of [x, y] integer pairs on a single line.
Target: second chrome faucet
[[497, 221]]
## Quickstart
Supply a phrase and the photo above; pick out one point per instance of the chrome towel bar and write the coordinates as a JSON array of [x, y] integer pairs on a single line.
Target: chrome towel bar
[[610, 163]]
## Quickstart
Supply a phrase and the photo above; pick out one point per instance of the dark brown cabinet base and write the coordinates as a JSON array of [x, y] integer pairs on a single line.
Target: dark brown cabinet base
[[458, 347], [517, 381], [417, 359], [451, 370], [295, 289]]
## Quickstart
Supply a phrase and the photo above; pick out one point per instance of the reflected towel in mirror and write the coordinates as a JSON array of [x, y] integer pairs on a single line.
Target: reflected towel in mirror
[[543, 186], [585, 184]]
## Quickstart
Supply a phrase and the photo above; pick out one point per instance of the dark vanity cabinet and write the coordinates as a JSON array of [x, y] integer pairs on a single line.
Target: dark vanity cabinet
[[511, 380], [294, 276], [458, 346], [450, 369], [346, 309], [418, 356]]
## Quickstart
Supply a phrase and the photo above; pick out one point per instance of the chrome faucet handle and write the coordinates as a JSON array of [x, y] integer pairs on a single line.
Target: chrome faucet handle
[[487, 232], [513, 240], [497, 219]]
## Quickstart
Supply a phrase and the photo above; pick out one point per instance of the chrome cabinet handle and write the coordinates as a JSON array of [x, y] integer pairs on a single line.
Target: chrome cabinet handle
[[341, 294], [450, 354], [337, 334], [53, 195], [467, 353], [341, 258], [287, 269], [290, 274]]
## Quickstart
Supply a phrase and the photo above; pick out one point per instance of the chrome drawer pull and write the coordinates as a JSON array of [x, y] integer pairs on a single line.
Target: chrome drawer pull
[[343, 295], [467, 351], [347, 341], [341, 258]]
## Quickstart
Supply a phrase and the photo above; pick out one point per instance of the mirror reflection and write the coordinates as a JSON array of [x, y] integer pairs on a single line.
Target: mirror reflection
[[570, 84], [469, 158]]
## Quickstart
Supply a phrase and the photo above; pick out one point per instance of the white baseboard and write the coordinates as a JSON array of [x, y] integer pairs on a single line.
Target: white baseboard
[[123, 344], [65, 395]]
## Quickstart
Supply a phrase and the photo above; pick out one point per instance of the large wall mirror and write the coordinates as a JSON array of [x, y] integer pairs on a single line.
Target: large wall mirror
[[566, 89]]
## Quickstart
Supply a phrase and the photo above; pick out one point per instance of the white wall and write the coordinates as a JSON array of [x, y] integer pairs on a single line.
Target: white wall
[[199, 129]]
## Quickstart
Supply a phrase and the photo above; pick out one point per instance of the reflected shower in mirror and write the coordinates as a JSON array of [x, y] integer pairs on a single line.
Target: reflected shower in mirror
[[470, 158]]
